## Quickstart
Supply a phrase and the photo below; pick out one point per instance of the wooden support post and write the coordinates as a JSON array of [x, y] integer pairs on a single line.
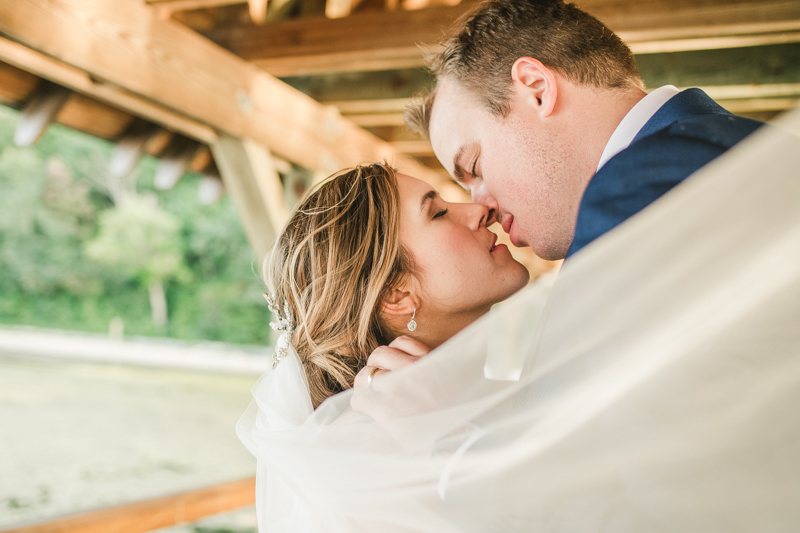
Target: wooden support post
[[252, 181], [39, 111]]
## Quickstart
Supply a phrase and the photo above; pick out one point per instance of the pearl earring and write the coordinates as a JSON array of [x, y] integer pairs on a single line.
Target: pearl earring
[[412, 325]]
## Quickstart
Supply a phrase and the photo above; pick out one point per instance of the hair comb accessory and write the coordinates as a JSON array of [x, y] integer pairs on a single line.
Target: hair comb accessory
[[283, 324]]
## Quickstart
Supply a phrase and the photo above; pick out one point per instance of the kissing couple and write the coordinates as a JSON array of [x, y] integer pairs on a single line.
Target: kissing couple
[[540, 113]]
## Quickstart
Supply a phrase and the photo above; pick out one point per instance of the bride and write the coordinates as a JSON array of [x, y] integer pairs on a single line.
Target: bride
[[371, 255], [655, 390]]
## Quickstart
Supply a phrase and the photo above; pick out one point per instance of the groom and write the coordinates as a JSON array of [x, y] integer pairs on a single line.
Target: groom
[[540, 113]]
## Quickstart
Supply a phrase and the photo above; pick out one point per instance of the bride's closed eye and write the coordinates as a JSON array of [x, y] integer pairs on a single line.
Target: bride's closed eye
[[441, 213]]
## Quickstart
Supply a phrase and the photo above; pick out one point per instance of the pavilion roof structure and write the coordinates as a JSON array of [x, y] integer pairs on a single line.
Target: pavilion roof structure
[[244, 91]]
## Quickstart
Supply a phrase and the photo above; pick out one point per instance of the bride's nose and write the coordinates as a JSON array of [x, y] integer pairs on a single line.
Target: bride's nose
[[480, 216], [481, 196]]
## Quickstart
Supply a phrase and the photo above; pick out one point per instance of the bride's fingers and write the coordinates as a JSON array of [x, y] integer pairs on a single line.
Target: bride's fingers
[[402, 352], [390, 358], [362, 378], [410, 345]]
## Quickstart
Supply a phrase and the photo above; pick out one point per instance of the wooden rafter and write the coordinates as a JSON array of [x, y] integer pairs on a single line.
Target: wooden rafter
[[130, 148], [362, 42], [137, 54], [39, 111], [174, 161]]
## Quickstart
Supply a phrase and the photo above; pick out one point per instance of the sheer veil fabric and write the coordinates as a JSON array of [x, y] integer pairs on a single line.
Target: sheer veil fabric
[[655, 390]]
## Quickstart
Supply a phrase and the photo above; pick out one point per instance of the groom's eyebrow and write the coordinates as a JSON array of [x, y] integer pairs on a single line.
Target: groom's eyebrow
[[458, 172], [428, 196]]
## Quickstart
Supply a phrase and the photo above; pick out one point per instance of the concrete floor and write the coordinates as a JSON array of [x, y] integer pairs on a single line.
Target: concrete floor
[[76, 436]]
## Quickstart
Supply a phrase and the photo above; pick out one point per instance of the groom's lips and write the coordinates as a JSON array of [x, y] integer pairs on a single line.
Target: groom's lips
[[507, 221]]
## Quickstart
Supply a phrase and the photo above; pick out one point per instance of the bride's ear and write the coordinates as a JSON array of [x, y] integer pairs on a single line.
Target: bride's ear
[[399, 302]]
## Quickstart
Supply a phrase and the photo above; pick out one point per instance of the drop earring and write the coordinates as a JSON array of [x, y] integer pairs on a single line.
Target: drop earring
[[412, 325]]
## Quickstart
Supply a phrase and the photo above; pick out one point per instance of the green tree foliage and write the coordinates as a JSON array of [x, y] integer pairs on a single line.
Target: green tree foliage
[[43, 217], [56, 215], [140, 240]]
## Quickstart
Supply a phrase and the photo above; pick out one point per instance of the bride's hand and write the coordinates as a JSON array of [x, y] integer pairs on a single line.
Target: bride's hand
[[400, 353]]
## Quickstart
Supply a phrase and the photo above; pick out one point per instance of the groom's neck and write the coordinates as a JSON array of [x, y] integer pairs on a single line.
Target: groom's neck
[[593, 116]]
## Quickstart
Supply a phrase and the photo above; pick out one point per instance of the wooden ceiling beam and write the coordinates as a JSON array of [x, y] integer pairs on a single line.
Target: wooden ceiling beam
[[45, 66], [108, 46], [361, 41]]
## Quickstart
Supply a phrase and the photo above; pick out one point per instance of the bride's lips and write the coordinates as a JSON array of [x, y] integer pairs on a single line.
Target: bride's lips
[[495, 245]]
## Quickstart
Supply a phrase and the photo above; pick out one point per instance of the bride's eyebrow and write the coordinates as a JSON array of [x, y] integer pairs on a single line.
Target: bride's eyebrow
[[428, 196]]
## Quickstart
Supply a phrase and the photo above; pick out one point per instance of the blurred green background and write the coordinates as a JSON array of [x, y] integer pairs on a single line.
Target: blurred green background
[[79, 249]]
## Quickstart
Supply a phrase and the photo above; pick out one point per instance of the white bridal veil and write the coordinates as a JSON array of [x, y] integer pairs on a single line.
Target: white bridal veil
[[658, 389]]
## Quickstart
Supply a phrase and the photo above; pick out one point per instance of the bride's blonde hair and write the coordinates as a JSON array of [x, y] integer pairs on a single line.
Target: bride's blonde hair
[[335, 261]]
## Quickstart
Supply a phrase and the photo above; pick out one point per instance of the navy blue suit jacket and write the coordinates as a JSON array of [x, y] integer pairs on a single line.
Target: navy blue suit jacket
[[687, 132]]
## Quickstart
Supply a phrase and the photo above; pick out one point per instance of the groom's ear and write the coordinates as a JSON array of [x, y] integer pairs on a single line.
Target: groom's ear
[[535, 84], [399, 302]]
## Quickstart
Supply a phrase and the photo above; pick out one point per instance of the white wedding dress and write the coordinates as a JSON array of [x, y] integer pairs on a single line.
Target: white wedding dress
[[658, 389]]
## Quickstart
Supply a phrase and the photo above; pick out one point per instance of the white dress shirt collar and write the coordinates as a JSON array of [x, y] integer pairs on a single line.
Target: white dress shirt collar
[[635, 120]]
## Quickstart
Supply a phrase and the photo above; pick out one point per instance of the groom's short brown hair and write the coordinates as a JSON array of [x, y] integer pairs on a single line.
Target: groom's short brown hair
[[486, 43]]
